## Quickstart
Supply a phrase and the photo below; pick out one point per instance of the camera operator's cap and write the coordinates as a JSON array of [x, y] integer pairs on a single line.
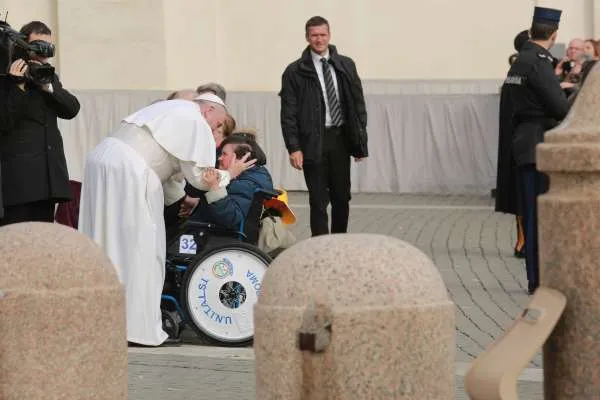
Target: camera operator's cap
[[546, 15], [213, 98]]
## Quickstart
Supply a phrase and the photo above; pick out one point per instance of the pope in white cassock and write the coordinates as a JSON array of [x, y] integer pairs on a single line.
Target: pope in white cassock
[[129, 178]]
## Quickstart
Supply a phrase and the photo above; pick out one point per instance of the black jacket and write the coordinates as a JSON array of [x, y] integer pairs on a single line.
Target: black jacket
[[303, 106], [531, 102], [33, 160], [1, 205]]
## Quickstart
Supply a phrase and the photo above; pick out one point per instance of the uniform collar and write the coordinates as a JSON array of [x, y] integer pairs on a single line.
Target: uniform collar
[[529, 45]]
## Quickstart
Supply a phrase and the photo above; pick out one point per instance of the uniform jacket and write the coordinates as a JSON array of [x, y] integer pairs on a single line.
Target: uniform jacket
[[531, 102], [33, 160], [303, 106]]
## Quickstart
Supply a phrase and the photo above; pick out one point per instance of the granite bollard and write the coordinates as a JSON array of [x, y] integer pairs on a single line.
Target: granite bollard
[[354, 316], [569, 237], [62, 317]]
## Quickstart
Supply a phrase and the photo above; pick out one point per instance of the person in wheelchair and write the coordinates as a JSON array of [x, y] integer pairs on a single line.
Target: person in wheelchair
[[228, 206]]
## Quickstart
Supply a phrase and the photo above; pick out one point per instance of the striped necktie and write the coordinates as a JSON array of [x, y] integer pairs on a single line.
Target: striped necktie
[[334, 105]]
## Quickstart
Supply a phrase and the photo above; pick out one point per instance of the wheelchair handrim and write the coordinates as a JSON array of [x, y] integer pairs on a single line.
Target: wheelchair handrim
[[221, 290]]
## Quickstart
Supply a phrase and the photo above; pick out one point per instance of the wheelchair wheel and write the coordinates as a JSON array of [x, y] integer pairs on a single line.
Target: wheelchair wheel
[[171, 322], [219, 292]]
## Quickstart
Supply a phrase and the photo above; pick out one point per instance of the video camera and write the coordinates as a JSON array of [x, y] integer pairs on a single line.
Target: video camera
[[12, 40]]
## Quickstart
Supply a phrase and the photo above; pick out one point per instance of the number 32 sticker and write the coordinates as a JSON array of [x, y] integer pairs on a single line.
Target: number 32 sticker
[[187, 245]]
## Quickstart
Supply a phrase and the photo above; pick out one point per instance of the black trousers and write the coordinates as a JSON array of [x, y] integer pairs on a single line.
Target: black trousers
[[329, 181], [38, 211], [533, 184]]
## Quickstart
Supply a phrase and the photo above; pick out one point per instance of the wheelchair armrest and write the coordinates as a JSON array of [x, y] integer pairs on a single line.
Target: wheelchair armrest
[[196, 226], [266, 194]]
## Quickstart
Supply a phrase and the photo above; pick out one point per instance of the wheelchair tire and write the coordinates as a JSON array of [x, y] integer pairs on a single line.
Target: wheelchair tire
[[171, 322], [219, 291]]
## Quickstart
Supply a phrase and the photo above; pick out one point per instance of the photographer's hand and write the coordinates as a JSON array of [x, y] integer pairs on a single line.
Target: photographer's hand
[[18, 69], [558, 71]]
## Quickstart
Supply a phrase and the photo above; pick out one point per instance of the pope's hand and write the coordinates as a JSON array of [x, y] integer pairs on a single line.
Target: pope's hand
[[212, 177]]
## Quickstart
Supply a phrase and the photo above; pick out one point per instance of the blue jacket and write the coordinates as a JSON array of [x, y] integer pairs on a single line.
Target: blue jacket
[[228, 207]]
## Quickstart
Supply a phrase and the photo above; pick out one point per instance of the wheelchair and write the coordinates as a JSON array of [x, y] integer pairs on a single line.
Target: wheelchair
[[213, 277]]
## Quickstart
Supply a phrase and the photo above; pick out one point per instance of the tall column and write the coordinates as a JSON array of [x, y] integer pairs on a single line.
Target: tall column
[[569, 236]]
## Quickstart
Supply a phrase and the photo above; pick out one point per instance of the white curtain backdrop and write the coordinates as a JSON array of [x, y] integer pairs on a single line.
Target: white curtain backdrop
[[424, 137]]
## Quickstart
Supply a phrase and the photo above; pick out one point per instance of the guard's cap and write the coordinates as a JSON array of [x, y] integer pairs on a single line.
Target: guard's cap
[[545, 15], [213, 98]]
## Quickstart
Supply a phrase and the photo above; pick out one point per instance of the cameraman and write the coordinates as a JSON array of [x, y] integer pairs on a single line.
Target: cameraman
[[34, 168]]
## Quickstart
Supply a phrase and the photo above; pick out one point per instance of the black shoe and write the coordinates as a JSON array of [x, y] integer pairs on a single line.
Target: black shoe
[[520, 253], [531, 289]]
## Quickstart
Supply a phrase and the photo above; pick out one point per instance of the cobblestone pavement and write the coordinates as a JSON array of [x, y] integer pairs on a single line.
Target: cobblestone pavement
[[470, 244]]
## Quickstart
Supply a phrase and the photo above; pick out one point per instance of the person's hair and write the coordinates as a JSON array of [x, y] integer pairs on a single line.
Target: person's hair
[[213, 88], [35, 27], [521, 38], [246, 136], [228, 125], [248, 132], [179, 93], [241, 150], [315, 21], [241, 144], [239, 138], [512, 58], [541, 31], [595, 45]]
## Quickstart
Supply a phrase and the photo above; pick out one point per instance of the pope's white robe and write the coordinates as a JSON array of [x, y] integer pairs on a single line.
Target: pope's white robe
[[128, 179]]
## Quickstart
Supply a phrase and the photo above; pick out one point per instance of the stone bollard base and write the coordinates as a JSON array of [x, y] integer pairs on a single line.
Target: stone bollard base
[[62, 317], [354, 316]]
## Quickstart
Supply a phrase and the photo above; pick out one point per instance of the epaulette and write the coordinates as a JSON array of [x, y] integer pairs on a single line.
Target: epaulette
[[544, 57]]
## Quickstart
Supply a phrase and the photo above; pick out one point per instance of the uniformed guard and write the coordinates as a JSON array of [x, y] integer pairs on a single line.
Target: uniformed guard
[[531, 103]]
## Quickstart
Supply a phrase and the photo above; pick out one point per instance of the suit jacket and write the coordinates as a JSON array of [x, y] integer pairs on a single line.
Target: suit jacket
[[303, 106]]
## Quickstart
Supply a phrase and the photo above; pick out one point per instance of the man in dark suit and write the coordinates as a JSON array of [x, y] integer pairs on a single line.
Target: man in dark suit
[[34, 168], [324, 121]]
